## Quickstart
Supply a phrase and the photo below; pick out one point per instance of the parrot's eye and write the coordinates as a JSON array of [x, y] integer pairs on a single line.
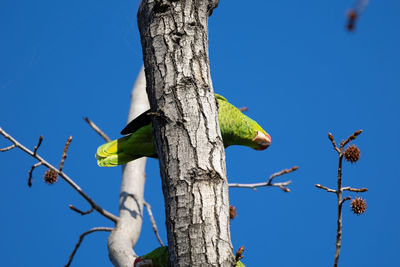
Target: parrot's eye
[[263, 140]]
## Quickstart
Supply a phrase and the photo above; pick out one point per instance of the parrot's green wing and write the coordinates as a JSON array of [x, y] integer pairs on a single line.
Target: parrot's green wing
[[236, 129], [140, 121]]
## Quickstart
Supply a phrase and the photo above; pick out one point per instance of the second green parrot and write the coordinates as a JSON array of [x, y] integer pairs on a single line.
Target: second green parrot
[[159, 258], [236, 129]]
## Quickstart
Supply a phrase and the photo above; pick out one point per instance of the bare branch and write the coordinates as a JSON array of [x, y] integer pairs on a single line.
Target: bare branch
[[79, 211], [339, 204], [325, 188], [239, 254], [82, 236], [65, 177], [30, 173], [153, 222], [361, 190], [352, 137], [281, 185], [255, 185], [64, 155], [282, 172], [7, 148], [244, 109], [122, 240], [333, 143], [38, 145], [97, 129], [344, 200], [340, 189]]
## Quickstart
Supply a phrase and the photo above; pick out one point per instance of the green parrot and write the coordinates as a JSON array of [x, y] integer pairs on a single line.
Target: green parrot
[[159, 258], [156, 258], [236, 129]]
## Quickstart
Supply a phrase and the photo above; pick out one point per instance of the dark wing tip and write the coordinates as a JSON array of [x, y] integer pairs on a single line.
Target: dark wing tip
[[125, 131], [137, 123]]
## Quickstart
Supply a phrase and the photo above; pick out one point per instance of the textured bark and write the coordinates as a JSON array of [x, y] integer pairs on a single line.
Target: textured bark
[[174, 37], [126, 233]]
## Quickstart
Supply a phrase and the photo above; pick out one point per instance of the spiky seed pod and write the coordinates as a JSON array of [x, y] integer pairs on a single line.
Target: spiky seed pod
[[358, 205], [50, 176], [232, 212], [352, 153]]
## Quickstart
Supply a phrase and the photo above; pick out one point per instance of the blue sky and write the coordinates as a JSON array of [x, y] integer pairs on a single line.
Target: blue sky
[[292, 63]]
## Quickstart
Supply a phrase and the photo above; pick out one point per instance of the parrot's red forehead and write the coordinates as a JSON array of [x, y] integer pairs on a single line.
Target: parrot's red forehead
[[137, 260]]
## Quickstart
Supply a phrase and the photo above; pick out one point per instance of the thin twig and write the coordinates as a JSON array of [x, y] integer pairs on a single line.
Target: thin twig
[[282, 172], [7, 148], [357, 190], [244, 109], [344, 200], [352, 137], [97, 129], [79, 211], [65, 177], [64, 155], [255, 185], [333, 143], [239, 254], [38, 145], [281, 185], [325, 188], [81, 237], [31, 171], [153, 222], [339, 204]]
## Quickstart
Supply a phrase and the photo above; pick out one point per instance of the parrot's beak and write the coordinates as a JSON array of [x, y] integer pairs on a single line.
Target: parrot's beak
[[263, 140]]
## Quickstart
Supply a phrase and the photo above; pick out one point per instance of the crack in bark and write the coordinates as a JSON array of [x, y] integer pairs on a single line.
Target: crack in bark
[[191, 219], [216, 214], [203, 222]]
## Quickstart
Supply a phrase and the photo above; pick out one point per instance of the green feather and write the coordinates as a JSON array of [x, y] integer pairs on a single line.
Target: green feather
[[236, 129], [159, 257], [240, 264]]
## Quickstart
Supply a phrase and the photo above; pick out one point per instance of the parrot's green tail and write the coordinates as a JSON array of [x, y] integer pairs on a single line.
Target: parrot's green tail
[[112, 154]]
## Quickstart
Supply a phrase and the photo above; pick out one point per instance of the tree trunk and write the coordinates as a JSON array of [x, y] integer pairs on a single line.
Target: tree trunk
[[174, 36]]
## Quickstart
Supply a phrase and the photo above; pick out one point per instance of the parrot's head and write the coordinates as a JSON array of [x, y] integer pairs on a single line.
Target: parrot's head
[[239, 129], [140, 262], [253, 135]]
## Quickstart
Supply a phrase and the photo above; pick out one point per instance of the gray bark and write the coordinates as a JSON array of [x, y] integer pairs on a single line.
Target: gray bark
[[126, 233], [174, 36]]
